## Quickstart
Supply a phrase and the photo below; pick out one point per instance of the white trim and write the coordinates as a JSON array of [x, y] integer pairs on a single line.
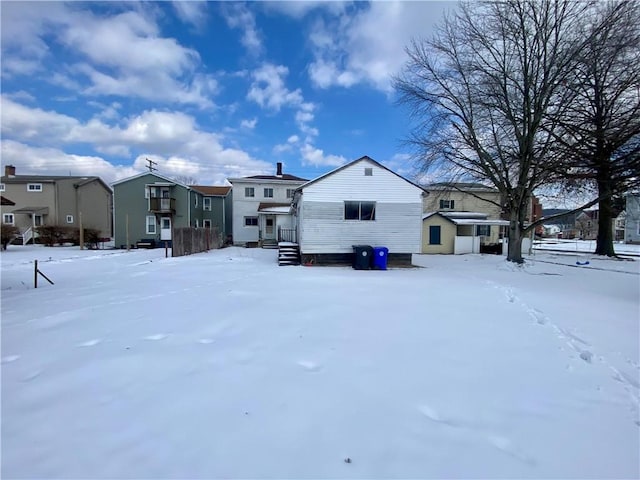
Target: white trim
[[37, 187], [205, 207], [206, 223], [2, 187], [157, 175], [69, 219], [148, 224], [5, 216]]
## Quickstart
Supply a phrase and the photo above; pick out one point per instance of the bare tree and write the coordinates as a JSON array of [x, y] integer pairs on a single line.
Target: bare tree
[[186, 180], [600, 132], [483, 90]]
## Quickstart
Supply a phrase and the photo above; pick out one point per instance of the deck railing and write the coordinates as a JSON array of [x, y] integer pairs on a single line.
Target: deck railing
[[163, 205], [287, 235]]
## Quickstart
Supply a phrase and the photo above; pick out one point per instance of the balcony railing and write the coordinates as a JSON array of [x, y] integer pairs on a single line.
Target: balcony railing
[[162, 205]]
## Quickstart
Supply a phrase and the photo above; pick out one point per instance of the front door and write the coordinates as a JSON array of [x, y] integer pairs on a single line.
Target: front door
[[165, 228], [269, 227]]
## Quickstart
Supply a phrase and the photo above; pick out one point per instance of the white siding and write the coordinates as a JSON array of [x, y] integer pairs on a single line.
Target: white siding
[[398, 226], [351, 183], [248, 207]]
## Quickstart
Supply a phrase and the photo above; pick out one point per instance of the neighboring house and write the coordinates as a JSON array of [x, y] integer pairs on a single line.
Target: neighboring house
[[619, 226], [564, 227], [147, 206], [261, 207], [360, 203], [632, 220], [587, 224], [462, 218], [461, 232], [217, 209], [56, 200]]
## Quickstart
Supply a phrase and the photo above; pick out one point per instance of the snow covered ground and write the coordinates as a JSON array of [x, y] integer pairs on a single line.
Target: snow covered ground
[[223, 364], [583, 246]]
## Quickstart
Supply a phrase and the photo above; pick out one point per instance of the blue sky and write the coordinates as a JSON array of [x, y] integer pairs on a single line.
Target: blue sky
[[207, 90]]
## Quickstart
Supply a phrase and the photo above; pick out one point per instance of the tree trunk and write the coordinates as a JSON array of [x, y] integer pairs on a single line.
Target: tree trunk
[[604, 243], [514, 253]]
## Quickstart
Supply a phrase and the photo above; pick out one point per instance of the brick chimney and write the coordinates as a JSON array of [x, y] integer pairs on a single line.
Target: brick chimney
[[279, 169], [9, 171]]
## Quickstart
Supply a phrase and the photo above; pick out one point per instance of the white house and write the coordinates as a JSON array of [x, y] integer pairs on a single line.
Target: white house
[[360, 203], [261, 206], [632, 220]]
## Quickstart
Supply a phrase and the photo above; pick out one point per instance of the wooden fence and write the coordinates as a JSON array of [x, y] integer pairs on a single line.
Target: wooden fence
[[188, 240]]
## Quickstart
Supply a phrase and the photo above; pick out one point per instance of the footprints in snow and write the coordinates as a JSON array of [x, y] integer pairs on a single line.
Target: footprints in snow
[[498, 441], [541, 319]]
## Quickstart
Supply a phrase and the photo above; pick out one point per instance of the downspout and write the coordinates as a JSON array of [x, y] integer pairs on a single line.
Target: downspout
[[224, 218], [188, 207]]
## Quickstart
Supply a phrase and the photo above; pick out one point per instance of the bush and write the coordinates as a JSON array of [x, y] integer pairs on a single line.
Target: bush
[[51, 235], [91, 237], [8, 233]]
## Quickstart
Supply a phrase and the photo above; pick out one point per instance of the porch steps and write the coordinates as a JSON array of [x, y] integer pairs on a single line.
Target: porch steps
[[288, 253], [269, 244]]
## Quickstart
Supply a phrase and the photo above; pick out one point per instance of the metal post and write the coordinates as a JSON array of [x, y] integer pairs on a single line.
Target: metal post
[[81, 232], [127, 229], [166, 249], [35, 274]]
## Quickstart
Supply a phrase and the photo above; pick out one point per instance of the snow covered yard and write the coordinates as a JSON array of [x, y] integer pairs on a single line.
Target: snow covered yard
[[223, 364]]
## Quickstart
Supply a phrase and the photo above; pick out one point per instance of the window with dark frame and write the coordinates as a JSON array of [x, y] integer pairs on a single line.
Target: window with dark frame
[[368, 172], [483, 230], [250, 221], [268, 193], [446, 204], [249, 192], [290, 192], [359, 210]]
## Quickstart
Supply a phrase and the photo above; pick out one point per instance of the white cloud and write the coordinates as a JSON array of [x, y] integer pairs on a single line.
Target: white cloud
[[192, 11], [172, 136], [368, 46], [316, 157], [268, 88], [250, 124], [117, 54], [238, 16], [39, 160], [293, 139]]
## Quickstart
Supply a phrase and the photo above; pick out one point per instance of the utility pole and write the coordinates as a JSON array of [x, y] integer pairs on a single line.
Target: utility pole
[[151, 164], [81, 232]]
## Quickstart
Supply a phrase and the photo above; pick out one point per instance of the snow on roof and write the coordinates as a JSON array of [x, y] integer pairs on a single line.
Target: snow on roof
[[475, 221], [464, 214]]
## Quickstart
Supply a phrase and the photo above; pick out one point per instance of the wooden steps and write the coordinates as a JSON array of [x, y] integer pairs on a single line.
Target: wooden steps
[[288, 253]]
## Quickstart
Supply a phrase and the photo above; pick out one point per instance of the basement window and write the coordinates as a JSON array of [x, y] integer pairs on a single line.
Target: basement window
[[359, 210], [69, 218]]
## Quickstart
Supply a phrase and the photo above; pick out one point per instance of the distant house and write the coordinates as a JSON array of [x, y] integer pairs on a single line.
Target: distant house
[[55, 200], [147, 206], [563, 227], [619, 226], [632, 219], [261, 207], [360, 203], [217, 209], [587, 224], [462, 218]]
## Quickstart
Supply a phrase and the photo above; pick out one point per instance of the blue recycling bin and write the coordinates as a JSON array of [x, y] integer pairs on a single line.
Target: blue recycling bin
[[380, 255]]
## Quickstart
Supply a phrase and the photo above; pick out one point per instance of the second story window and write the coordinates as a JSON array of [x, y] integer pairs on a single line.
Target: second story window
[[446, 204], [290, 192], [196, 201], [34, 187], [8, 218], [268, 193], [206, 203], [249, 192], [1, 187]]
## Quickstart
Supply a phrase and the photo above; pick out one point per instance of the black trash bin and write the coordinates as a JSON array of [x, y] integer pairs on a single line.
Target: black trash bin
[[362, 257]]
